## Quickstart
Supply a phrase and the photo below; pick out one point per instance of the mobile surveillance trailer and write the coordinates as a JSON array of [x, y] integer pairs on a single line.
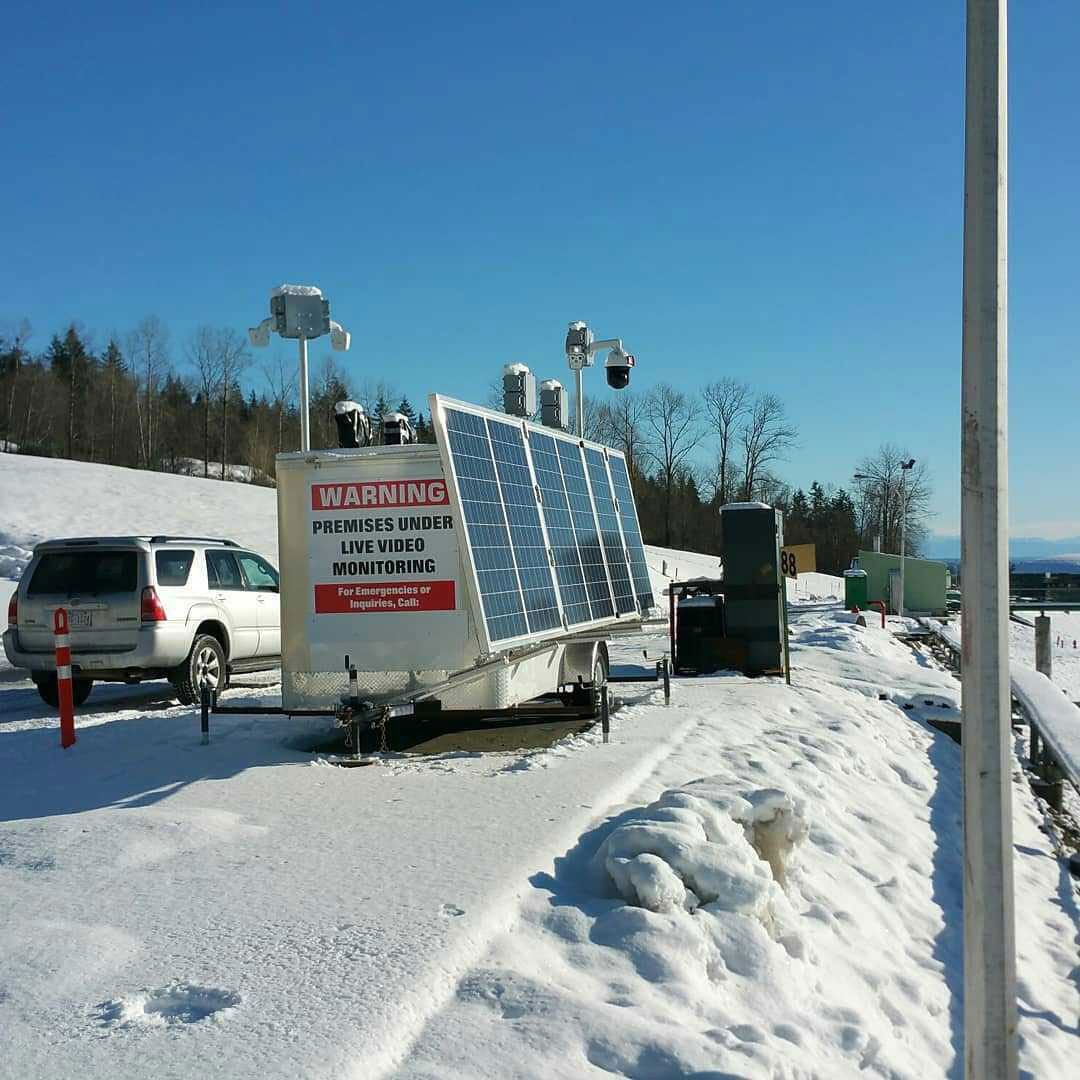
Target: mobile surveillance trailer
[[479, 573]]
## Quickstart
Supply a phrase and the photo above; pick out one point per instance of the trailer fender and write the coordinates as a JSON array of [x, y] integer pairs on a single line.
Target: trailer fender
[[579, 661]]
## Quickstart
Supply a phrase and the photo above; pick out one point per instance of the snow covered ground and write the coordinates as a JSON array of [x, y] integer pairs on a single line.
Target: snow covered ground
[[758, 880]]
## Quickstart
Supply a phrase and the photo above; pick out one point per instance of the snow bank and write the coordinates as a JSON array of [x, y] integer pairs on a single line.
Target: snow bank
[[46, 498], [701, 846]]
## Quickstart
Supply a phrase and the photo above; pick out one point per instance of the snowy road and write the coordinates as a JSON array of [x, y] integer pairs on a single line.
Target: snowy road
[[245, 910]]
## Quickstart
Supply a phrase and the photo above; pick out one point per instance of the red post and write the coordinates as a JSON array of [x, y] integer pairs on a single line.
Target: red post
[[880, 604], [63, 677]]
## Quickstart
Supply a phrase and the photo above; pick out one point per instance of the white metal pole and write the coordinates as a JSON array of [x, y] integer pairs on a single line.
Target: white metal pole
[[305, 420], [580, 404], [990, 1044], [903, 531]]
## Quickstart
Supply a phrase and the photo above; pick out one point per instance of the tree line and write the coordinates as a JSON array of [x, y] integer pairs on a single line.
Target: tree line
[[204, 407], [127, 403]]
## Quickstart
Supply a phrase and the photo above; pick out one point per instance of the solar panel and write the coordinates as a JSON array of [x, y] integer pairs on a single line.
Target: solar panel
[[552, 536], [485, 522], [624, 497], [527, 540], [610, 531], [560, 529], [597, 582]]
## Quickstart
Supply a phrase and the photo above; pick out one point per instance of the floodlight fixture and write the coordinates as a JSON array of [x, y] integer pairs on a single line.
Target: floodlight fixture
[[300, 312]]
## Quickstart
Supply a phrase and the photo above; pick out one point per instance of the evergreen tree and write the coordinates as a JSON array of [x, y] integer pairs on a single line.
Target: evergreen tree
[[113, 374], [406, 410]]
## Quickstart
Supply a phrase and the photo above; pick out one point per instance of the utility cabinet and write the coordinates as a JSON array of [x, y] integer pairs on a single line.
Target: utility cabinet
[[754, 597]]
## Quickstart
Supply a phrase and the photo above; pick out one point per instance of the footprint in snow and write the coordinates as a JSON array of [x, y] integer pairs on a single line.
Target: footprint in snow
[[168, 1006], [451, 911]]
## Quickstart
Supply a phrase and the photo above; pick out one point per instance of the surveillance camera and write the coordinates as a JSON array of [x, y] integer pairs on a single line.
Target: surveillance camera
[[617, 367], [259, 336], [578, 340], [340, 339]]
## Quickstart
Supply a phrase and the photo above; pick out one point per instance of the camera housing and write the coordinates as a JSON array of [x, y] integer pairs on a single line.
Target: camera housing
[[396, 430], [353, 425], [554, 406], [578, 341], [617, 368], [519, 390]]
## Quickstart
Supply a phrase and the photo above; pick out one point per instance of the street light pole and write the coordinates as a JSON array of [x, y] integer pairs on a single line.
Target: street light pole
[[905, 468], [305, 416], [990, 1014]]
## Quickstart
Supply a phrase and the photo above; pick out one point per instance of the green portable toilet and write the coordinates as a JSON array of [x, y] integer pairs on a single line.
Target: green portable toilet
[[856, 590]]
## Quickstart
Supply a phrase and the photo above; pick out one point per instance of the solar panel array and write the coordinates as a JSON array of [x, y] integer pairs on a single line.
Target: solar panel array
[[550, 521]]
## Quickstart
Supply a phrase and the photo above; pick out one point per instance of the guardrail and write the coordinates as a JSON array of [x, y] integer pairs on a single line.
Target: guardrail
[[1053, 721]]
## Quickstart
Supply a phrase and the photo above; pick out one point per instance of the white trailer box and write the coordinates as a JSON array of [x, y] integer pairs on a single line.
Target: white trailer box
[[386, 567]]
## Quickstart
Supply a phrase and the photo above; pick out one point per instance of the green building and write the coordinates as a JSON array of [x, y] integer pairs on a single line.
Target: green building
[[925, 582]]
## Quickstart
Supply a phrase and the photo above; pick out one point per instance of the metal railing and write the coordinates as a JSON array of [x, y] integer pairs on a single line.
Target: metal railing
[[1053, 723]]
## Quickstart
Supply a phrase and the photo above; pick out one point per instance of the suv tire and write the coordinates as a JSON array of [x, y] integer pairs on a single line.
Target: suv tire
[[50, 692], [206, 660]]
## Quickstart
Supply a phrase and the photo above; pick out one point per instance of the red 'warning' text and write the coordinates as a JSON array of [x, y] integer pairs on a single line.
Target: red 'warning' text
[[362, 598], [379, 493]]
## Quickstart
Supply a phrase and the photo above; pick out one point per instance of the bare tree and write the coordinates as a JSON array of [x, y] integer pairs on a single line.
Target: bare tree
[[881, 498], [621, 424], [281, 377], [203, 354], [727, 402], [148, 347], [672, 428], [232, 357], [765, 438]]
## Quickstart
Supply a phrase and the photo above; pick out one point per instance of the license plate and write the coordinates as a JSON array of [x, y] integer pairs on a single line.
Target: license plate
[[81, 620]]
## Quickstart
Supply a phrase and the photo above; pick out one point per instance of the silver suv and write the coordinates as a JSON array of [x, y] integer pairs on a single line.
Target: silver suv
[[189, 609]]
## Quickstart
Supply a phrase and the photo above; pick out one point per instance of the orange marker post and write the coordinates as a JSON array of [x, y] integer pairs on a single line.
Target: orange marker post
[[63, 677]]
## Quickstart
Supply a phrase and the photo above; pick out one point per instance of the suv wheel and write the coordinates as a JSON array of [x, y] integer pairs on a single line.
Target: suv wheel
[[205, 662], [49, 690]]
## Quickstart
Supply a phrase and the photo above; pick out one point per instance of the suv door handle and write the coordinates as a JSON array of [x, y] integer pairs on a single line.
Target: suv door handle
[[261, 599]]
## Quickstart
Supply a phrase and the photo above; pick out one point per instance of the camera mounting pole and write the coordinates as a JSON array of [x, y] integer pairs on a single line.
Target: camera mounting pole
[[581, 347], [301, 312]]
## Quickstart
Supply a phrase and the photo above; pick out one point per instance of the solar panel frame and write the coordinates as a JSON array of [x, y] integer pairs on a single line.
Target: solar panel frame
[[631, 528], [525, 520], [611, 534], [439, 406], [488, 561], [560, 530]]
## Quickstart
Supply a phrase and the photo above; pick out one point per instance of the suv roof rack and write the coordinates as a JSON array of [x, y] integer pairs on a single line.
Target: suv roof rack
[[162, 539]]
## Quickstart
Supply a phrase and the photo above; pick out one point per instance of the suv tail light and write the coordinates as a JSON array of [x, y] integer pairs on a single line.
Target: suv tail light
[[13, 609], [151, 608]]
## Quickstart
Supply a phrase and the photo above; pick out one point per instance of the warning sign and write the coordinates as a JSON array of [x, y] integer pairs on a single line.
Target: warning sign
[[384, 596], [382, 546]]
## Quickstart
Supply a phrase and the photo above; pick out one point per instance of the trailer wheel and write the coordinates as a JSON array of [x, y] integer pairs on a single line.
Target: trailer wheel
[[581, 695]]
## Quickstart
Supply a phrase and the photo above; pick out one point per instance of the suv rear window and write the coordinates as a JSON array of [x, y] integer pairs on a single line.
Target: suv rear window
[[85, 572], [173, 567]]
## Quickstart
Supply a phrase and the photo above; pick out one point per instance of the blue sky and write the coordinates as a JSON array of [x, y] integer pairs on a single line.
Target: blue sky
[[772, 192]]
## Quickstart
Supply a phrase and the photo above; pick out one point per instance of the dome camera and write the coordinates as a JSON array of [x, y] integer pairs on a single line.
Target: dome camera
[[617, 367]]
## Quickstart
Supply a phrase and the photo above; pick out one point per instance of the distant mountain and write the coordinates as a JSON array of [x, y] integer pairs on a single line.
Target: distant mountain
[[1020, 547]]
